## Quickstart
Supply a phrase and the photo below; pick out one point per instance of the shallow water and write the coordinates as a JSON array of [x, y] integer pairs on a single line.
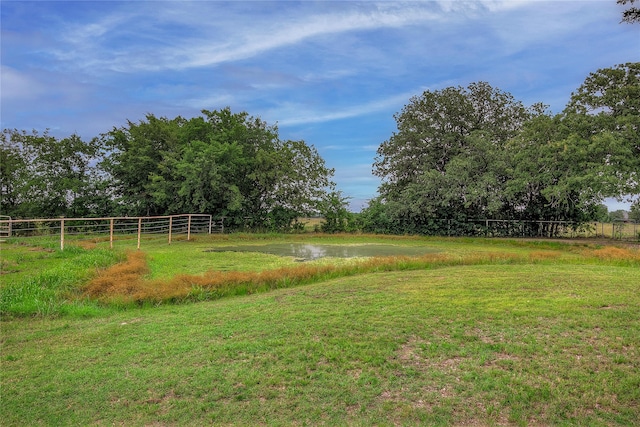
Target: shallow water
[[308, 252]]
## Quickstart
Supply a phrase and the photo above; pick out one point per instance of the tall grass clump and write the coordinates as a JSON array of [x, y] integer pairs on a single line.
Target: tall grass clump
[[623, 256], [55, 287]]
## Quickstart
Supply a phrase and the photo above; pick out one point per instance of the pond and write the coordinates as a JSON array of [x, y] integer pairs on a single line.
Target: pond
[[308, 252]]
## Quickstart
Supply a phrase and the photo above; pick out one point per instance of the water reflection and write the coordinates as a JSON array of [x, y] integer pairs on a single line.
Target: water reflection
[[308, 252]]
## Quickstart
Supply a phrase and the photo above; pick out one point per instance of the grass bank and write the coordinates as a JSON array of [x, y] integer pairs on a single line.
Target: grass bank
[[550, 342], [89, 279]]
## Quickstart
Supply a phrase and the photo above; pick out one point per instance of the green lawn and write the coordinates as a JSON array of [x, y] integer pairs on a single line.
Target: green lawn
[[550, 336]]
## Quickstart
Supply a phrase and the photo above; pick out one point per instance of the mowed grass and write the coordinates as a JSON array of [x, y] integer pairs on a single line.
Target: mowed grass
[[515, 333]]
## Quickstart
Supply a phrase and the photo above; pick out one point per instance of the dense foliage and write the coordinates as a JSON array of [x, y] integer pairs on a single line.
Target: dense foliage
[[467, 153], [221, 163], [42, 176]]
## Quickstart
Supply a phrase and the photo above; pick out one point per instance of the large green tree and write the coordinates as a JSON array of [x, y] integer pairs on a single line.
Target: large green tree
[[43, 176], [223, 163], [447, 158], [607, 106], [433, 128], [13, 177], [476, 153], [563, 166], [137, 155], [555, 174]]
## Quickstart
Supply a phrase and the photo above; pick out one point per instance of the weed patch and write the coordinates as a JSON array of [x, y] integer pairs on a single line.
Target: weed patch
[[185, 272], [126, 282]]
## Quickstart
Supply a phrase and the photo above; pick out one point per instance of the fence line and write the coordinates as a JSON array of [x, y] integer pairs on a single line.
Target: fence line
[[5, 226], [535, 228], [169, 224], [187, 224]]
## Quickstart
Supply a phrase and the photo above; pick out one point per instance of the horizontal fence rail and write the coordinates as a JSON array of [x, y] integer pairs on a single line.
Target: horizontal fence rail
[[170, 225], [621, 230]]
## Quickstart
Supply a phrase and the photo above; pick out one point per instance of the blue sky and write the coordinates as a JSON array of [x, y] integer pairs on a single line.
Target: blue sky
[[332, 73]]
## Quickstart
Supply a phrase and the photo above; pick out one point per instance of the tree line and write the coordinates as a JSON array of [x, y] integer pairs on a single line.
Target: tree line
[[227, 164], [476, 152], [459, 154]]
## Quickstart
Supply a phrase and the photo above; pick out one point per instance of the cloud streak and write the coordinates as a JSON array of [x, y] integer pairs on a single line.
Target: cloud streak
[[210, 42], [297, 115]]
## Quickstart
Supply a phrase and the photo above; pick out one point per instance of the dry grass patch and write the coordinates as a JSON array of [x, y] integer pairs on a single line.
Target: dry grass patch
[[121, 279], [543, 255], [613, 253]]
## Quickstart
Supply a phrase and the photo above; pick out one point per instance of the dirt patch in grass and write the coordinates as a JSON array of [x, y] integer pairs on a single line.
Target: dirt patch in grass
[[87, 244], [91, 243], [410, 355]]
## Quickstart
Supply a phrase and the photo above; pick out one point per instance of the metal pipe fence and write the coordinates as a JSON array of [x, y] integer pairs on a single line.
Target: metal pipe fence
[[114, 227], [621, 230], [173, 226]]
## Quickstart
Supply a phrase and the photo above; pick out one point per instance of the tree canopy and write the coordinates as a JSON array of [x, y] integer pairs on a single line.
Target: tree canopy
[[221, 163], [476, 152], [44, 176]]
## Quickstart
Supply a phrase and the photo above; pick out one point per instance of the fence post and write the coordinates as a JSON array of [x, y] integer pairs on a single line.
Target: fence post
[[139, 231], [189, 228], [62, 234], [170, 227], [111, 233]]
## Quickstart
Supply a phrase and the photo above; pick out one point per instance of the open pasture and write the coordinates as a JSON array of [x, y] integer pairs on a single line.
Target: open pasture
[[474, 332]]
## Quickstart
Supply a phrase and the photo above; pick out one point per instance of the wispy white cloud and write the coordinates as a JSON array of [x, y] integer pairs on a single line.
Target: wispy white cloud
[[167, 36], [228, 37], [297, 114]]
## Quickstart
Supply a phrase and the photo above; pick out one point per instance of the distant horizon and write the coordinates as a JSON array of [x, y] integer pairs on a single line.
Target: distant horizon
[[330, 73]]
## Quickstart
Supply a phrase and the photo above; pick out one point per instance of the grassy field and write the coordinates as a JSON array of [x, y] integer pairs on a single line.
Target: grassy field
[[483, 332]]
